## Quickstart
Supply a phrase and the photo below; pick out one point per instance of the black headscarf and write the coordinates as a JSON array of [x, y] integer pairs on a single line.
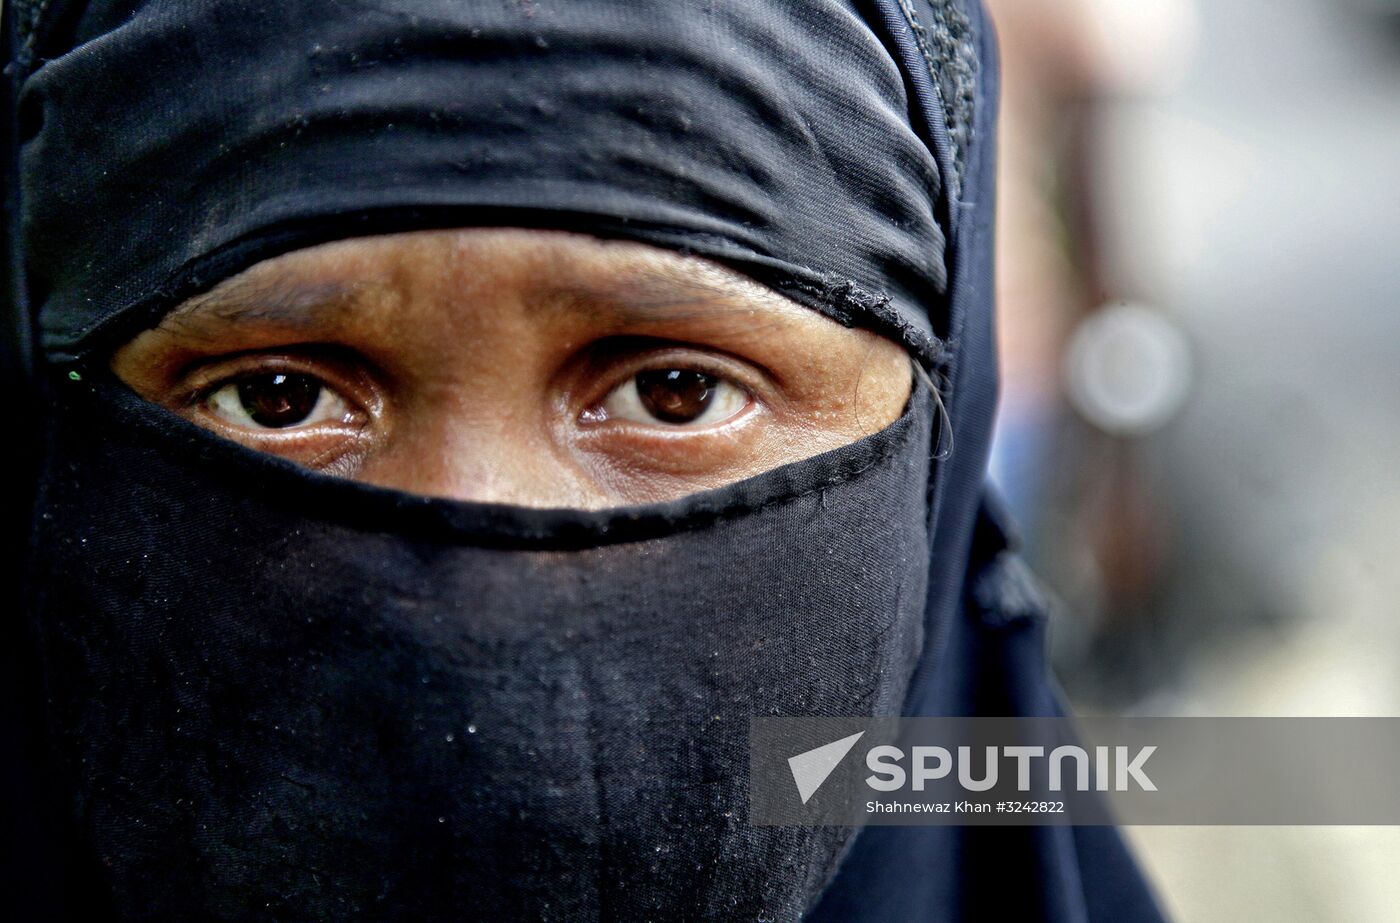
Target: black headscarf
[[271, 694]]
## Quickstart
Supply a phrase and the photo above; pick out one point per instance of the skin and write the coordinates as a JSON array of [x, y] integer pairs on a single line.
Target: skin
[[501, 365]]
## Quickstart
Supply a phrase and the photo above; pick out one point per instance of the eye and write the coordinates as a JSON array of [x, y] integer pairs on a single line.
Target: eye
[[675, 397], [277, 400]]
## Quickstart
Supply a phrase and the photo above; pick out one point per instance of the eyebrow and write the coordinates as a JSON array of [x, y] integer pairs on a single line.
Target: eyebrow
[[279, 300], [647, 296]]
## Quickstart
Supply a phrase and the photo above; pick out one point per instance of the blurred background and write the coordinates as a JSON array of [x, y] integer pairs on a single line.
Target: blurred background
[[1200, 422]]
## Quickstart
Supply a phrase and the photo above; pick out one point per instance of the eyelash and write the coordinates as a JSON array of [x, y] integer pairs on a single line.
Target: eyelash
[[628, 362], [205, 382]]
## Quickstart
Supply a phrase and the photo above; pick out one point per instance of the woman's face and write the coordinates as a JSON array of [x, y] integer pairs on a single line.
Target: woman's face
[[537, 368]]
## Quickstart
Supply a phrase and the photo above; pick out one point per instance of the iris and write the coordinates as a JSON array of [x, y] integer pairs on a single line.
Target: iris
[[676, 395]]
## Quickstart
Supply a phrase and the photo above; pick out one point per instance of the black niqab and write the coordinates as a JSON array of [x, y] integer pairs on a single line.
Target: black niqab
[[270, 694]]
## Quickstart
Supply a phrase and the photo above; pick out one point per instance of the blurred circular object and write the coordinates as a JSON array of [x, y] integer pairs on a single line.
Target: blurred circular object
[[1127, 369]]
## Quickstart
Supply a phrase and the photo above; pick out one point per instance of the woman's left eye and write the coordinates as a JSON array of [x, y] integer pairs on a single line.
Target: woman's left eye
[[676, 397], [277, 400]]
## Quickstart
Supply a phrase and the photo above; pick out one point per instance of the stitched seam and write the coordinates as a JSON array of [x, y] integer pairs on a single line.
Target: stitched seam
[[854, 301], [920, 36]]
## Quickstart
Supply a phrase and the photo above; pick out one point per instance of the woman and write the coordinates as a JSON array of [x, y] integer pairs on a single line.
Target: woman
[[462, 417]]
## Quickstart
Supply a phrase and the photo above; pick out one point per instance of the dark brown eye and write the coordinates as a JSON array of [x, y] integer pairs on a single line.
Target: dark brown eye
[[676, 395], [275, 400]]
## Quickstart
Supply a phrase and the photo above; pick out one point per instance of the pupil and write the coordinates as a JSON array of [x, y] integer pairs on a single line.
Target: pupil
[[277, 400], [675, 395]]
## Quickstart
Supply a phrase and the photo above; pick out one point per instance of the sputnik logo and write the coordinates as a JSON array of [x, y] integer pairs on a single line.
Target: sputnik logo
[[811, 769]]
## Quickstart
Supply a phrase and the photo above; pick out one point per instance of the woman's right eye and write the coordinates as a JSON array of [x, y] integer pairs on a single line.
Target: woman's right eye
[[277, 401]]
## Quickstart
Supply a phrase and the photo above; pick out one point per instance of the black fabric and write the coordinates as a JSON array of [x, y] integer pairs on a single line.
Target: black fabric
[[31, 817], [268, 703], [985, 653], [234, 651], [260, 125]]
